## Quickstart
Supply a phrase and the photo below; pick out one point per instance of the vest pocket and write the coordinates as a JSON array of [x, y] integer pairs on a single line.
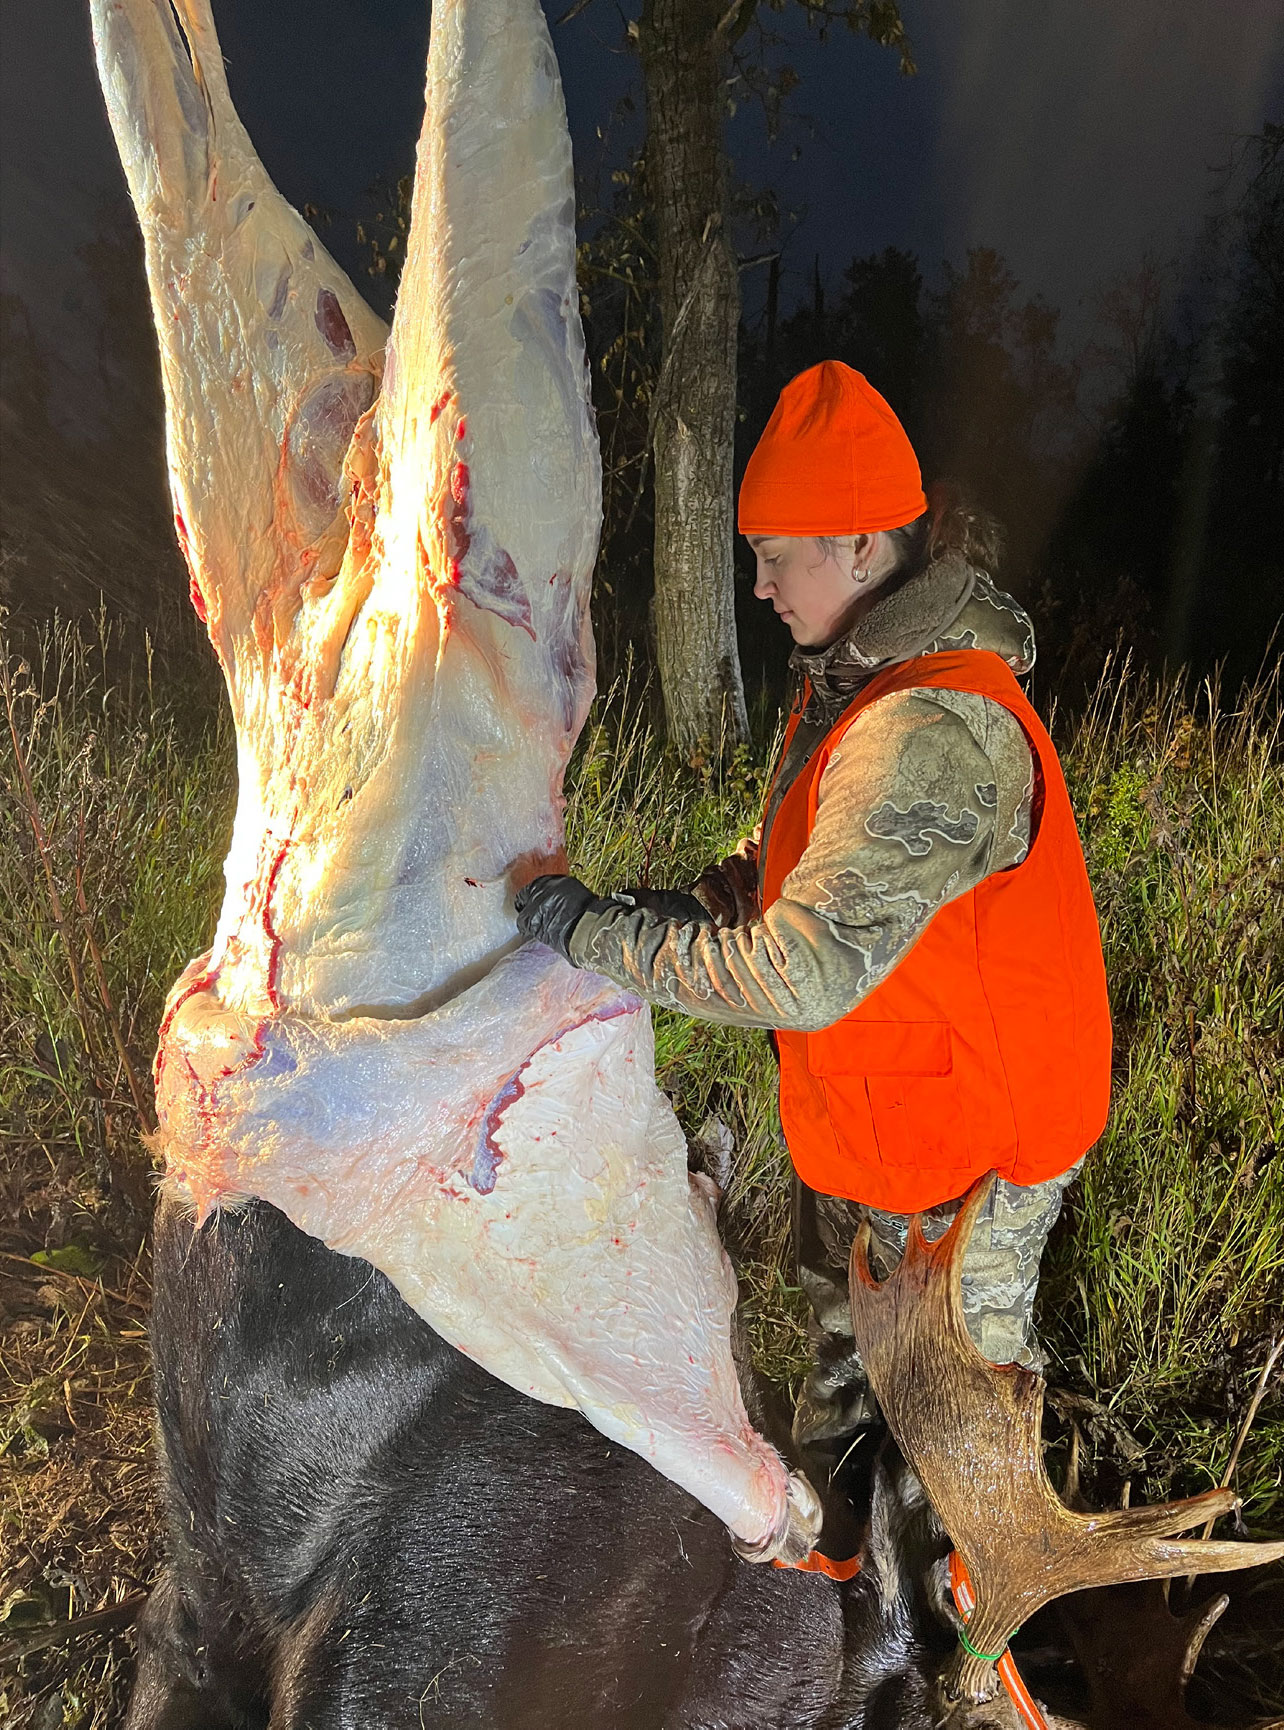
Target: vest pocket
[[896, 1080]]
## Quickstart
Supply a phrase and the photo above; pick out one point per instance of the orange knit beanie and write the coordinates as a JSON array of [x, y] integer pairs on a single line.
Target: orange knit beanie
[[834, 460]]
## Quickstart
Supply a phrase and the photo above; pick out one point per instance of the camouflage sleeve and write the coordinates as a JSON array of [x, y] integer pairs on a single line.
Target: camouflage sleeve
[[927, 794]]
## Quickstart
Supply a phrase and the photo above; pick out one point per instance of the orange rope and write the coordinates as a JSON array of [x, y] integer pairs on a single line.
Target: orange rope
[[815, 1563], [965, 1602]]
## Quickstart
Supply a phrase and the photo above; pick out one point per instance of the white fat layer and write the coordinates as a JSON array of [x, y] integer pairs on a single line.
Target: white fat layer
[[392, 538]]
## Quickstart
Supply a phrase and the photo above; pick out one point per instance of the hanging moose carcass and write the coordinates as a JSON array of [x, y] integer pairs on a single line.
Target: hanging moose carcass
[[390, 538]]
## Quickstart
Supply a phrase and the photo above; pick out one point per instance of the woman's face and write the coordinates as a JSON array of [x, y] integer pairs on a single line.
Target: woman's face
[[811, 588]]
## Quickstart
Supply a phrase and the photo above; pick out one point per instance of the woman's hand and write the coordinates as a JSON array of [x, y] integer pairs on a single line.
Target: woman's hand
[[668, 903], [549, 908], [730, 889]]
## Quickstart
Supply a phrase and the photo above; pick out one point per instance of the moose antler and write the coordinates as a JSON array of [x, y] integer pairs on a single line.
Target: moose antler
[[1137, 1656], [972, 1431]]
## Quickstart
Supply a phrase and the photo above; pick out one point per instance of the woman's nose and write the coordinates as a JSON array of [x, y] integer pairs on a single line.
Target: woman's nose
[[762, 583]]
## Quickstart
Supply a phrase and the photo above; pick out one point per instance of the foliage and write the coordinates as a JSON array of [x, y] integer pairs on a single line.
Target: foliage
[[754, 43], [387, 233], [115, 815], [1162, 1287], [1165, 1292], [113, 822], [618, 273]]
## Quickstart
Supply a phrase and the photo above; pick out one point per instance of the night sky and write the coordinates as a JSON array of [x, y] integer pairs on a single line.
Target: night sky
[[1072, 137]]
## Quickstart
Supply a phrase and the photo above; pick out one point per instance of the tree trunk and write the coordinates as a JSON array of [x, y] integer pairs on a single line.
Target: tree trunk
[[694, 420]]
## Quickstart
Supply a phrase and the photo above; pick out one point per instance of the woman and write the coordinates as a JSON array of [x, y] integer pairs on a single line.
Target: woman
[[914, 921]]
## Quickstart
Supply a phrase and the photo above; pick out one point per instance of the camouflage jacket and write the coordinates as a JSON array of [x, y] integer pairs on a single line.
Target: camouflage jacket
[[928, 794]]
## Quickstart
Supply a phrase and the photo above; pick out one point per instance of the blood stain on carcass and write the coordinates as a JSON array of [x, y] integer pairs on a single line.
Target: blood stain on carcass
[[434, 412], [274, 938], [194, 587], [277, 304], [488, 1154], [455, 521], [260, 908], [333, 325], [204, 976]]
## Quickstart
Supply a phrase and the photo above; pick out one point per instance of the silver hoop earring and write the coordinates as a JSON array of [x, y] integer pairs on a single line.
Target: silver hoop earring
[[860, 576]]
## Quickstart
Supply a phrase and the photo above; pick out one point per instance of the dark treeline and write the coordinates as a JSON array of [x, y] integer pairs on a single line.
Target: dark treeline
[[1138, 484], [85, 514]]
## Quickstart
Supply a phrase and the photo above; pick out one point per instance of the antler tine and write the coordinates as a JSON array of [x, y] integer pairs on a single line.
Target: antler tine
[[972, 1431], [1160, 1559], [1167, 1518], [1197, 1625]]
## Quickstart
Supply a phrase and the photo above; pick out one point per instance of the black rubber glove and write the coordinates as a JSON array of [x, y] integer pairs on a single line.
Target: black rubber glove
[[549, 909], [669, 904]]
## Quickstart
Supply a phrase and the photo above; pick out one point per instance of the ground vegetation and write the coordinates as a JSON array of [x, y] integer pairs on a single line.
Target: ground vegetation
[[1164, 1284]]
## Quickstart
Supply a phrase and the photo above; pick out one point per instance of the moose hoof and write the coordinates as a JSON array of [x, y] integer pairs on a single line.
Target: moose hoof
[[795, 1537]]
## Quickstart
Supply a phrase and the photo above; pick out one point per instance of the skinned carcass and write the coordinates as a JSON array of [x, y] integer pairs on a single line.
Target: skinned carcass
[[365, 1530], [391, 540]]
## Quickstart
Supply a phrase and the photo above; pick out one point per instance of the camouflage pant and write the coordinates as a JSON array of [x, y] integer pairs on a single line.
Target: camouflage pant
[[1000, 1276]]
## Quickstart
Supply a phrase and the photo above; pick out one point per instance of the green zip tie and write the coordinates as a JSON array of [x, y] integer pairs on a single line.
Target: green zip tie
[[985, 1657]]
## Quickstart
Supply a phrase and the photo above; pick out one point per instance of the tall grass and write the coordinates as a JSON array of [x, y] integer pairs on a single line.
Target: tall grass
[[635, 818], [1164, 1293], [1165, 1282], [116, 812]]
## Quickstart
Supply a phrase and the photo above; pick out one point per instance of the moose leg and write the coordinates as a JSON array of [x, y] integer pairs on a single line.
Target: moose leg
[[834, 1400], [1000, 1278], [187, 1678]]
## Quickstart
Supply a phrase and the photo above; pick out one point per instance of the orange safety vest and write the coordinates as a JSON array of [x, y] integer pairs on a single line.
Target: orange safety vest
[[988, 1045]]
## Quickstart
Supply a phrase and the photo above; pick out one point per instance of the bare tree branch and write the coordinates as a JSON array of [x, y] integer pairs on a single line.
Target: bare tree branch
[[573, 11]]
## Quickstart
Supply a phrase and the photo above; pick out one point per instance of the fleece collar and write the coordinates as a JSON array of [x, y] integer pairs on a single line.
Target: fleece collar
[[947, 605]]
